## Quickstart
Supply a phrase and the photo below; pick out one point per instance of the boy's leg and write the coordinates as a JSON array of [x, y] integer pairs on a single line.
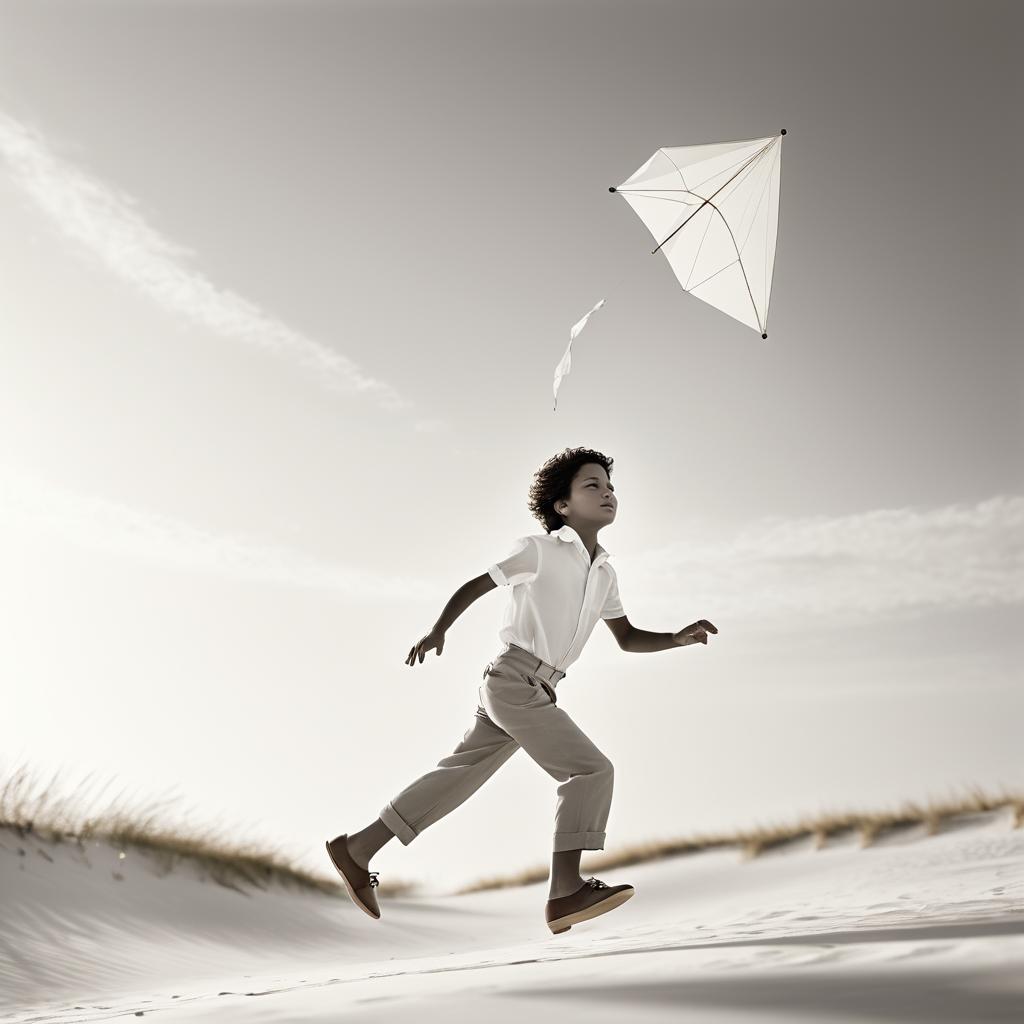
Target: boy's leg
[[362, 845], [551, 738], [485, 747], [565, 873]]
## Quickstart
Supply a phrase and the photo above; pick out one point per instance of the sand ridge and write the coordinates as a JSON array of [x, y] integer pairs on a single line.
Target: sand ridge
[[845, 931]]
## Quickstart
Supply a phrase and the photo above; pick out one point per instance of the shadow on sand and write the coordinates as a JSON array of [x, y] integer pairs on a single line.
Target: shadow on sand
[[950, 995]]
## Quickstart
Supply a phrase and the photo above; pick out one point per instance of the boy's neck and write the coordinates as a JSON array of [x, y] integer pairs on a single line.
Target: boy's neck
[[588, 536]]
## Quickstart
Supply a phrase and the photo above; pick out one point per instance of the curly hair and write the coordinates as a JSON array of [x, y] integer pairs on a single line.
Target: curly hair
[[553, 482]]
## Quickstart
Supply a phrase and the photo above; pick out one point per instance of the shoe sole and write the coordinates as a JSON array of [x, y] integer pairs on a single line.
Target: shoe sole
[[348, 885], [563, 924]]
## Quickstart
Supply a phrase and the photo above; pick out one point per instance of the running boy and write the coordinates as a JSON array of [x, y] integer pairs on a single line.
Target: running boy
[[561, 584]]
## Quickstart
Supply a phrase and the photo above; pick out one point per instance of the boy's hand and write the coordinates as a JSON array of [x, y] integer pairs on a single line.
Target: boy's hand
[[428, 643], [695, 633]]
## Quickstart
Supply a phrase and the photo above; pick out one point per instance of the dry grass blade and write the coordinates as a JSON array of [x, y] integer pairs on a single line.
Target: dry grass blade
[[28, 808], [868, 825]]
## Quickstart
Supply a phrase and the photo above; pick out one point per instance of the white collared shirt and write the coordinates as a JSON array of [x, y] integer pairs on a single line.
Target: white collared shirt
[[557, 594]]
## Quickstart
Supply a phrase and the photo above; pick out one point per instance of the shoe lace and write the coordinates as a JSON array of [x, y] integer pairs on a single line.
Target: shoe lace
[[596, 883], [373, 878]]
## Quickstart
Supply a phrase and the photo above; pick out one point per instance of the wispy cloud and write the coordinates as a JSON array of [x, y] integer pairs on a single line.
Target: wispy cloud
[[897, 562], [107, 223], [848, 569], [33, 504]]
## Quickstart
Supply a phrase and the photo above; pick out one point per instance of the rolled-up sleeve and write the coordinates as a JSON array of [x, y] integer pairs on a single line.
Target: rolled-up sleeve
[[520, 566], [612, 605]]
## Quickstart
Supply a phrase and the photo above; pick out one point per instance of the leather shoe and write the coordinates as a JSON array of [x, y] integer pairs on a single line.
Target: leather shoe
[[359, 882], [591, 899]]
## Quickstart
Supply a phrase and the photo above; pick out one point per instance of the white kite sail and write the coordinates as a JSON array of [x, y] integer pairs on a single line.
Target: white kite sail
[[562, 369], [714, 211]]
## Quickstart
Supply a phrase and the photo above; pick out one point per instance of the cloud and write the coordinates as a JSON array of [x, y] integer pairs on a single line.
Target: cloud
[[108, 225], [35, 505], [851, 569]]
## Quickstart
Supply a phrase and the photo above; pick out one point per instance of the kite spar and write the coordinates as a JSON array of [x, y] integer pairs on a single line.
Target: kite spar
[[713, 209]]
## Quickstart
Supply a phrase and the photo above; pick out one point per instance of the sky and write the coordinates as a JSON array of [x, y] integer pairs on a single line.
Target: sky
[[284, 286]]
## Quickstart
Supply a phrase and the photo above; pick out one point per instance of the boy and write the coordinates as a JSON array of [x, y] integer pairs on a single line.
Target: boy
[[561, 584]]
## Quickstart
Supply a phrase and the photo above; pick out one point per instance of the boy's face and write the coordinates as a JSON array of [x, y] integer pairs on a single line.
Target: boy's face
[[592, 499]]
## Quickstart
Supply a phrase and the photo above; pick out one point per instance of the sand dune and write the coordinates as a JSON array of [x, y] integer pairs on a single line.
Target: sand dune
[[916, 927]]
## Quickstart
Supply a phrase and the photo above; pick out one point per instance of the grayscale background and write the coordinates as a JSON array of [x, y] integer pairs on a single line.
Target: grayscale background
[[283, 287]]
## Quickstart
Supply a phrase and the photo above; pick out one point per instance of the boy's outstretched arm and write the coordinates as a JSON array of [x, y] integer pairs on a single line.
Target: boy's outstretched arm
[[642, 641], [457, 604]]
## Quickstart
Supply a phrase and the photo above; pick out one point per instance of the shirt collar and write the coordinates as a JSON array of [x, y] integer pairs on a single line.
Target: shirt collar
[[567, 533]]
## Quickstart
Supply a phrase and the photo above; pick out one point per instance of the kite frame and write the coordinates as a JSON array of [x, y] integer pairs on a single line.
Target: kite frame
[[707, 202]]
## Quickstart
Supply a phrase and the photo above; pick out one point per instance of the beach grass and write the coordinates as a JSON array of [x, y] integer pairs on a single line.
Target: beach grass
[[31, 808], [817, 829]]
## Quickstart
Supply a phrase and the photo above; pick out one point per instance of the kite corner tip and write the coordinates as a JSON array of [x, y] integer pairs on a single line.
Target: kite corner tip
[[764, 335], [612, 188], [783, 131]]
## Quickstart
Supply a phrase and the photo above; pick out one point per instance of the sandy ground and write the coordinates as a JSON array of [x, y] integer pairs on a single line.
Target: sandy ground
[[914, 928]]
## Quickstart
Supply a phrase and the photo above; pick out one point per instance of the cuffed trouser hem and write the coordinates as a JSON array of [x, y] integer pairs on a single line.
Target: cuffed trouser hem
[[394, 821], [578, 841]]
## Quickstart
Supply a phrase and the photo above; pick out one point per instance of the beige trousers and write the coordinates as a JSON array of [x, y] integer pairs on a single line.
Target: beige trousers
[[517, 709]]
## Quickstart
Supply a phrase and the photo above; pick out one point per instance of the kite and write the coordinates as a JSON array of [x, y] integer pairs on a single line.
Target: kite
[[713, 209], [562, 369]]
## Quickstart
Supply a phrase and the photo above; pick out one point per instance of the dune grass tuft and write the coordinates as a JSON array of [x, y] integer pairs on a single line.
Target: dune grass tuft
[[30, 809], [866, 825], [33, 810]]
